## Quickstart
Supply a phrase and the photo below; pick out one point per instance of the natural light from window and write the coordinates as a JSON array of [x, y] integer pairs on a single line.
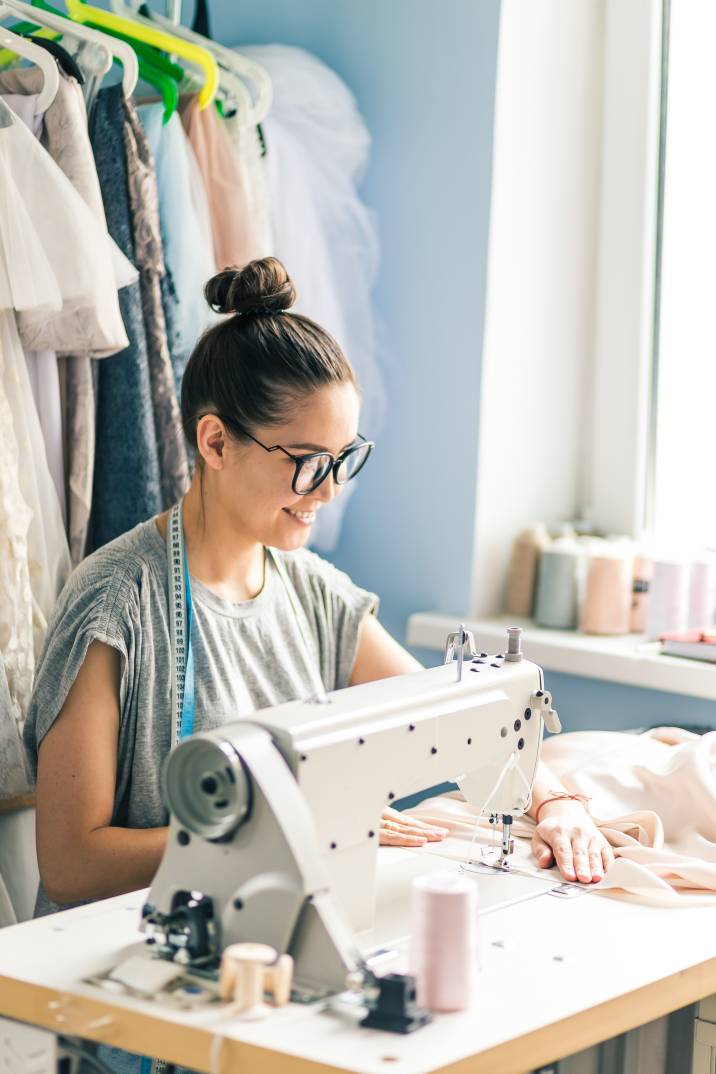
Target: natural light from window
[[685, 491]]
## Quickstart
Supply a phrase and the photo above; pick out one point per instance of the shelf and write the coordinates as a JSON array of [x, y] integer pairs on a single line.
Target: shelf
[[631, 660]]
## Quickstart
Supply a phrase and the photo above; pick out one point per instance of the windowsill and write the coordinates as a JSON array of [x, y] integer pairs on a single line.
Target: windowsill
[[630, 660]]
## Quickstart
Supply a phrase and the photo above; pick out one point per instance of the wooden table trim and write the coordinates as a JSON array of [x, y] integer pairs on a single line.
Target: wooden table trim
[[192, 1046]]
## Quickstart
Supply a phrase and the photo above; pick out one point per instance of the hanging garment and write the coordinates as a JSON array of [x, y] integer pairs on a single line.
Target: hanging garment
[[88, 320], [15, 779], [318, 146], [149, 257], [41, 218], [231, 225], [48, 554], [16, 603], [186, 234], [62, 129], [42, 365], [126, 475], [45, 384], [249, 149]]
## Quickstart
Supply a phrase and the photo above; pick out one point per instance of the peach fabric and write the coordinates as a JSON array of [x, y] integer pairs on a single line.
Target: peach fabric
[[652, 795], [233, 233]]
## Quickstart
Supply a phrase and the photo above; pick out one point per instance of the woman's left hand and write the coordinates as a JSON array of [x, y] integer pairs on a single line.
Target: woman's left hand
[[397, 830], [567, 835]]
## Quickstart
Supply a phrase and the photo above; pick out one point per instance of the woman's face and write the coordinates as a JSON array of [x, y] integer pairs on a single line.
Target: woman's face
[[255, 486]]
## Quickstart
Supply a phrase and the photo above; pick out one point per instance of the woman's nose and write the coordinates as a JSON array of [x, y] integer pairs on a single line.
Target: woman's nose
[[327, 489]]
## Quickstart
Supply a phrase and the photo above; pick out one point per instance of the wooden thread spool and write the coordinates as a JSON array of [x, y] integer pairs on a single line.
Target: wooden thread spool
[[248, 970], [522, 573]]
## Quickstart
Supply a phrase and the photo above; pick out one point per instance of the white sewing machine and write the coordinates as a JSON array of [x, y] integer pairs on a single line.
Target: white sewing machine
[[274, 826]]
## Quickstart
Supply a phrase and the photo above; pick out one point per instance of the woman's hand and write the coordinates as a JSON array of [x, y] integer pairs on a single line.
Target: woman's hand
[[397, 830], [567, 835]]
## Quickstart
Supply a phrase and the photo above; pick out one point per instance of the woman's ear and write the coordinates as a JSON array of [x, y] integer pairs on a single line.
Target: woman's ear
[[211, 440]]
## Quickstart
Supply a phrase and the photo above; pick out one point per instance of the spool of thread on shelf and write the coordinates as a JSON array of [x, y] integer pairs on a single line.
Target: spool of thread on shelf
[[606, 608], [641, 585], [558, 584], [668, 611], [522, 573], [443, 942], [702, 594]]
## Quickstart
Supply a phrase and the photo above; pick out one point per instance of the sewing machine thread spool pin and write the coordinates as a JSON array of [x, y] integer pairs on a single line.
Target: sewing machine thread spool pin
[[514, 645]]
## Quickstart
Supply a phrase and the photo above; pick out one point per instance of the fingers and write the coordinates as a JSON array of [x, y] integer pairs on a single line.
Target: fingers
[[392, 838], [396, 822], [563, 856], [426, 834], [542, 852], [607, 857], [580, 851], [596, 867]]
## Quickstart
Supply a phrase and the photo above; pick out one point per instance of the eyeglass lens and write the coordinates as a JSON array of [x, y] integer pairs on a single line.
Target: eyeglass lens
[[315, 469]]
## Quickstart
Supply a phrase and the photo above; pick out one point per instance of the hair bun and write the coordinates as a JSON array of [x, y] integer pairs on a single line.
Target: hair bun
[[261, 287]]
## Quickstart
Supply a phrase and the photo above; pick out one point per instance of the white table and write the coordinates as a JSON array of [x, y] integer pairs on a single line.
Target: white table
[[557, 976]]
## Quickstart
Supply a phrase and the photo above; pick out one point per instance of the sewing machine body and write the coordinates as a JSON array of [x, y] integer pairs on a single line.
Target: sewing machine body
[[274, 828]]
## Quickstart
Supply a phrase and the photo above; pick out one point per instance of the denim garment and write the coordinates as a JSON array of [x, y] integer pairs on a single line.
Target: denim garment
[[188, 250], [126, 477]]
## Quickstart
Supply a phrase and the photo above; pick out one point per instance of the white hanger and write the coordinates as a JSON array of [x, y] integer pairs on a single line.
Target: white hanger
[[54, 22], [112, 47], [44, 60], [236, 68]]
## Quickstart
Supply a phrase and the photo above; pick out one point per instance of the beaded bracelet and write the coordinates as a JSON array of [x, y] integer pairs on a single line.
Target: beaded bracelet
[[558, 796]]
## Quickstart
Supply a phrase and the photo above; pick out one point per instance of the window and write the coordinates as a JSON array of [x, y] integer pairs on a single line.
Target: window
[[682, 502]]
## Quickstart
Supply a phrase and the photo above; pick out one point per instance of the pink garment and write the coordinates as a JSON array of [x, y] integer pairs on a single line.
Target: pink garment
[[235, 242], [652, 795]]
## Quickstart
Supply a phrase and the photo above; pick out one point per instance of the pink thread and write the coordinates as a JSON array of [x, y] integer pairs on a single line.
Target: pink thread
[[607, 601], [443, 943]]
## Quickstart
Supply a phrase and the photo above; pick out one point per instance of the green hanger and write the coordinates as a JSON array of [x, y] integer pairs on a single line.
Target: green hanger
[[154, 68]]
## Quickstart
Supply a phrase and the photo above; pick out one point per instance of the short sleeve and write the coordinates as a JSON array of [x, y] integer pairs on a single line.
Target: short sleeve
[[335, 607], [97, 604]]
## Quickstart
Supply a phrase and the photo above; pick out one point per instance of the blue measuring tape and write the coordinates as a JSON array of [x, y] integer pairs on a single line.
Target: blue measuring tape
[[186, 723], [186, 726]]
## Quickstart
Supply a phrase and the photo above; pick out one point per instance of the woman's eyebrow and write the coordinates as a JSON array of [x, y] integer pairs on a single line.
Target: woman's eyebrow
[[308, 447], [316, 447]]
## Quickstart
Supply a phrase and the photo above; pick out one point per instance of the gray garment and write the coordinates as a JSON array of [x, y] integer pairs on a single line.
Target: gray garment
[[247, 656]]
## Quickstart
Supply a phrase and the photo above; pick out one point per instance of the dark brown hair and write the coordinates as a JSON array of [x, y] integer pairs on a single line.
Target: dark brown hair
[[253, 367]]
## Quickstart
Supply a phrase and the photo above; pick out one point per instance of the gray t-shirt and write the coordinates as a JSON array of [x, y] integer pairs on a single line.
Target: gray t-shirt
[[247, 656]]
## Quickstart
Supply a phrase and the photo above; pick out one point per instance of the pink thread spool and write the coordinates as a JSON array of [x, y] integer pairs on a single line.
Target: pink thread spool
[[443, 942], [606, 608]]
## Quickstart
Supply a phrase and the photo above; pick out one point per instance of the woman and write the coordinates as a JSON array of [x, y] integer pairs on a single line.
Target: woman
[[270, 405]]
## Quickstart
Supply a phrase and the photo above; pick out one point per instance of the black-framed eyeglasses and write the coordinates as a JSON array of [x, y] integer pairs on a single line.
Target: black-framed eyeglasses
[[312, 470]]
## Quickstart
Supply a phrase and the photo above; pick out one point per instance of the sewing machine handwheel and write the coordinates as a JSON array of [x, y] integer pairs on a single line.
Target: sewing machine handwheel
[[205, 787]]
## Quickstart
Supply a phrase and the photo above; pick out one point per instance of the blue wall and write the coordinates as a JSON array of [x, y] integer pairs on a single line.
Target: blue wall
[[424, 77]]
